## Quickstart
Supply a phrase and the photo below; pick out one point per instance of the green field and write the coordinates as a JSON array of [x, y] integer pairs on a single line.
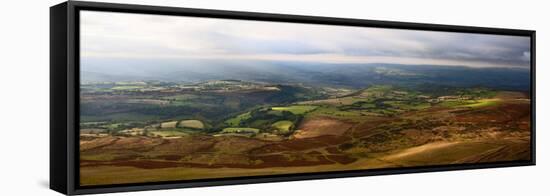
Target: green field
[[240, 130], [170, 124], [195, 124], [237, 119], [483, 103], [283, 126]]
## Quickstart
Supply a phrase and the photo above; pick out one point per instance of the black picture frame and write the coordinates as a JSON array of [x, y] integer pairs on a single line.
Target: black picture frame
[[64, 94]]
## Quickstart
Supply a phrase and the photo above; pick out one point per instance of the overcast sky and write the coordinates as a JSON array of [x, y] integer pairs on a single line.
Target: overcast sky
[[140, 36]]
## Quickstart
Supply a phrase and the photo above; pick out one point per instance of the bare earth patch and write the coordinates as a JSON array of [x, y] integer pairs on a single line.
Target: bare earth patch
[[321, 126]]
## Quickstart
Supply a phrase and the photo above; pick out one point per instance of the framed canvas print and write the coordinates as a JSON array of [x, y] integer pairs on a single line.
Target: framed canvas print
[[146, 97]]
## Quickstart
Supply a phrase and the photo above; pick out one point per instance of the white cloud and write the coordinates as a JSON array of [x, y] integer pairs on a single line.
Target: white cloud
[[124, 35]]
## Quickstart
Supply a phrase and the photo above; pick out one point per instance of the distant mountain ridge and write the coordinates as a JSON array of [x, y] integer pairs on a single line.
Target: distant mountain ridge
[[313, 74]]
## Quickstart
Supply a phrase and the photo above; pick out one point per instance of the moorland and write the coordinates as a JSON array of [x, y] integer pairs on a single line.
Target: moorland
[[387, 116]]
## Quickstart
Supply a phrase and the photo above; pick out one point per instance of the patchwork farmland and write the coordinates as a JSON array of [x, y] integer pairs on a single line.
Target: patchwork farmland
[[146, 131]]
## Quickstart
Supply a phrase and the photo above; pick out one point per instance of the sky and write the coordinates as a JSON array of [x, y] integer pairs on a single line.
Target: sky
[[108, 35]]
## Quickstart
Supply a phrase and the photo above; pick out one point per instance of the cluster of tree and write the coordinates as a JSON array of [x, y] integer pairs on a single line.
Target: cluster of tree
[[263, 119]]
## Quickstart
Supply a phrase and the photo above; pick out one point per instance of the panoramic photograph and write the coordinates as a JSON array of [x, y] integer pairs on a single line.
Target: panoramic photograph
[[172, 98]]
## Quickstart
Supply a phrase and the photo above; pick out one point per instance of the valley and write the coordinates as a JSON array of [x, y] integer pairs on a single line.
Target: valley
[[157, 131]]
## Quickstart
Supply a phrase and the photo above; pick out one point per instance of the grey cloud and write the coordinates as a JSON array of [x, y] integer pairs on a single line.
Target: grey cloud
[[239, 44], [496, 49], [136, 35]]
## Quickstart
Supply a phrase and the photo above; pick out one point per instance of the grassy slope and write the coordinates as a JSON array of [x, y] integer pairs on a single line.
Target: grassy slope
[[446, 154], [434, 153]]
